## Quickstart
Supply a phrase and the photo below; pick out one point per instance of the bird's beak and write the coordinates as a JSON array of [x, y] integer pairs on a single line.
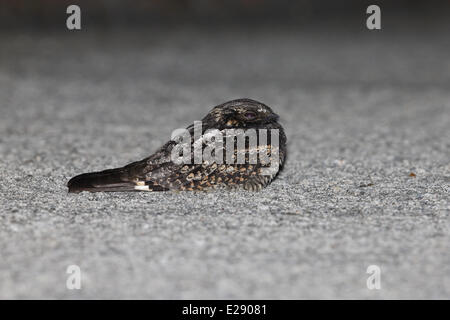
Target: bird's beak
[[273, 117]]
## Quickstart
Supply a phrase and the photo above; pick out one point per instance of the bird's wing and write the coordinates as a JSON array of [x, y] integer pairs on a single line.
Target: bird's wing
[[162, 171]]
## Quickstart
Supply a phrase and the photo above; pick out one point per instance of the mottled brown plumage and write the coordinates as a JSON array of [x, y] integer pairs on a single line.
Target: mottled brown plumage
[[160, 173]]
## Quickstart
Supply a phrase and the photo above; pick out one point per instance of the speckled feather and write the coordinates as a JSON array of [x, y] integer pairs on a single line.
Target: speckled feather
[[159, 173]]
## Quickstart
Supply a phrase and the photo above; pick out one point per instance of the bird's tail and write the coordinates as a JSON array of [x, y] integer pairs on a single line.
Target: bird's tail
[[103, 181]]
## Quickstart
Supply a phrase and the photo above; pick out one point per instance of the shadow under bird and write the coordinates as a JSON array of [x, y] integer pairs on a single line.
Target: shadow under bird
[[159, 172]]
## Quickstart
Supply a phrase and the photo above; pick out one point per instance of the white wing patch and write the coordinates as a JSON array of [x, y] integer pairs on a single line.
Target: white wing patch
[[142, 188]]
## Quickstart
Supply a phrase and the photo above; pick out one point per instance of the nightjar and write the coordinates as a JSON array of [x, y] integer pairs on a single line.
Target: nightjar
[[238, 144]]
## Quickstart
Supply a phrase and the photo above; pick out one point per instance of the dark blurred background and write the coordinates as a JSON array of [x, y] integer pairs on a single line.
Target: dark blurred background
[[118, 13]]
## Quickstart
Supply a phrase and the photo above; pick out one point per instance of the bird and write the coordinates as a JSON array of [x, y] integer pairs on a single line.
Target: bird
[[221, 170]]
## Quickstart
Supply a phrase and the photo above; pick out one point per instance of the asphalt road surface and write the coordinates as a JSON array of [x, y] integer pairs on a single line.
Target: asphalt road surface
[[366, 182]]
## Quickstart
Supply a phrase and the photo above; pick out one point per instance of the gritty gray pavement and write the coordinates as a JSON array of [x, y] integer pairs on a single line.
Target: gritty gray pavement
[[362, 112]]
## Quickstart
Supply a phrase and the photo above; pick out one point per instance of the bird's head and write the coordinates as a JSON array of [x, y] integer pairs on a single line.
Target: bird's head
[[240, 113]]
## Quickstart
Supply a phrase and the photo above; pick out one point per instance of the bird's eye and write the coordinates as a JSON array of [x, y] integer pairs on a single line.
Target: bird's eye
[[250, 115]]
